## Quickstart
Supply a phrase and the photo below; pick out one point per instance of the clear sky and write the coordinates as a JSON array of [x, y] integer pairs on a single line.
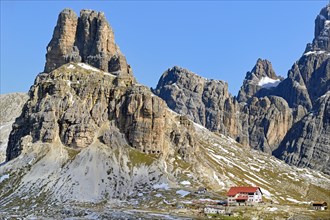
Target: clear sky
[[215, 39]]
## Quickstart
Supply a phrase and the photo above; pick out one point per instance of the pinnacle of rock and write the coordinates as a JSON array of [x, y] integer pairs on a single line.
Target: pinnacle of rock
[[260, 76], [321, 32], [263, 68], [88, 39]]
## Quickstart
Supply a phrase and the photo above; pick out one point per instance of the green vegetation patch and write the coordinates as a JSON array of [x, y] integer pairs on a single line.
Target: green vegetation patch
[[138, 158], [72, 153], [317, 193]]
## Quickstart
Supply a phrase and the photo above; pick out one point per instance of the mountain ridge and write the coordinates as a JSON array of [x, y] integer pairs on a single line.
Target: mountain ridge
[[267, 106]]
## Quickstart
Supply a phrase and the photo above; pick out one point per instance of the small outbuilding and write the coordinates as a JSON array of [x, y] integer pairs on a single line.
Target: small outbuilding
[[319, 205], [201, 190], [214, 210]]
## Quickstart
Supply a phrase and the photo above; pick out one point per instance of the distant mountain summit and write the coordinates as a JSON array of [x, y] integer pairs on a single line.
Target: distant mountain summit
[[262, 76], [321, 32], [287, 117], [306, 89], [309, 77]]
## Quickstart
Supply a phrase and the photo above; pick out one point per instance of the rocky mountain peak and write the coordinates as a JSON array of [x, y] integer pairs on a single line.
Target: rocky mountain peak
[[205, 101], [176, 75], [308, 78], [88, 39], [321, 32], [262, 68], [261, 76]]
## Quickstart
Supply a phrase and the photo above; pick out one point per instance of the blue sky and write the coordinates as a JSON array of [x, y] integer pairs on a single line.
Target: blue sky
[[215, 39]]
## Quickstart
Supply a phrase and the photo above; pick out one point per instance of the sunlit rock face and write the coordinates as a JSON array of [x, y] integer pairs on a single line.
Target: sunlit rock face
[[89, 39]]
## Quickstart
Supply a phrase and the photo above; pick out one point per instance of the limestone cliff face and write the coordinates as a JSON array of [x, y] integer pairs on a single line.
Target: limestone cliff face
[[77, 105], [88, 39], [307, 144], [307, 80], [269, 119], [306, 90]]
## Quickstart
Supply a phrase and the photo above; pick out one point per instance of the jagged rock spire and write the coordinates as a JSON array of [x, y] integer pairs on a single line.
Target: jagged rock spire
[[89, 39], [262, 75], [321, 32]]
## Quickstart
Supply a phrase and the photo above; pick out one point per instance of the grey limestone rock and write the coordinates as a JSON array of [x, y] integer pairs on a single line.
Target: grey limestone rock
[[307, 143], [309, 77], [269, 119], [321, 32], [206, 102]]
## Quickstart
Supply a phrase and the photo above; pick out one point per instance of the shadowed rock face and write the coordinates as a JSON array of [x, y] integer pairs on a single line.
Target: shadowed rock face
[[307, 144], [206, 102], [307, 91], [307, 80], [89, 39], [309, 77], [321, 32], [269, 119]]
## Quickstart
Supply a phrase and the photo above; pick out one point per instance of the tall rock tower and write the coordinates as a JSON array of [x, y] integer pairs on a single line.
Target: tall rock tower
[[88, 39]]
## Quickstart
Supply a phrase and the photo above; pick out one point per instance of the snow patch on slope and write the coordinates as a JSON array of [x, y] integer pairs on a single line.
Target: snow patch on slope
[[88, 67], [2, 178], [71, 66], [266, 82], [161, 186], [266, 193], [315, 53], [182, 193], [185, 182]]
